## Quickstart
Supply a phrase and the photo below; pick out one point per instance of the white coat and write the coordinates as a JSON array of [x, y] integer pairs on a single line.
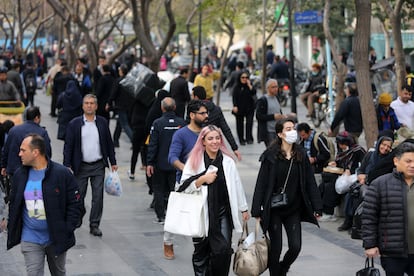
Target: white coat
[[235, 190]]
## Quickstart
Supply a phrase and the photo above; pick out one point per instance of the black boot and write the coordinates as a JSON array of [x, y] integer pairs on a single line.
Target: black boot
[[283, 269], [346, 225]]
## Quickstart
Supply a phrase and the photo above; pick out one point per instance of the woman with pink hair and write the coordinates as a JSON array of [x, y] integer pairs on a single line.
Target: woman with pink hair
[[211, 170]]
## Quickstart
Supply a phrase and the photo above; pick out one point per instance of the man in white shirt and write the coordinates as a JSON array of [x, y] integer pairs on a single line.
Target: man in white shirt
[[404, 107]]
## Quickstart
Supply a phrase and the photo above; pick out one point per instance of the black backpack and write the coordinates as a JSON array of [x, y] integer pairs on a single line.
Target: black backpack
[[30, 82]]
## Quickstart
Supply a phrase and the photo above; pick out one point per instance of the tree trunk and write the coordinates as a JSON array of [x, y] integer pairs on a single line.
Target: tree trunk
[[360, 49], [395, 20], [398, 49], [341, 68]]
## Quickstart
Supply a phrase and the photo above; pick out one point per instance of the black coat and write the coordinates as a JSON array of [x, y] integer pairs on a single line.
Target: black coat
[[243, 98], [349, 112], [384, 215], [267, 178], [61, 202]]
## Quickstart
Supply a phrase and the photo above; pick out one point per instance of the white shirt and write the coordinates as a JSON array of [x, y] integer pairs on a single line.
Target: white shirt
[[91, 148], [404, 112]]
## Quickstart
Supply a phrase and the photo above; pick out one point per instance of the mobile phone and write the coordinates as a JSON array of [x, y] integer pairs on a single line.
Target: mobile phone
[[212, 168]]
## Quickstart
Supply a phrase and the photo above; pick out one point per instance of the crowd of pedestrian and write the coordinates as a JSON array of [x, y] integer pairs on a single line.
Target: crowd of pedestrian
[[180, 133]]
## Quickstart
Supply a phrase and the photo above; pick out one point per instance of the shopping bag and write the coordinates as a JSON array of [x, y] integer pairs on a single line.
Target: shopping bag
[[251, 257], [343, 183], [113, 184], [185, 214], [369, 269]]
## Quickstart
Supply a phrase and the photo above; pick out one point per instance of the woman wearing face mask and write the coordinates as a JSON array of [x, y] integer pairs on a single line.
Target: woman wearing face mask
[[285, 168]]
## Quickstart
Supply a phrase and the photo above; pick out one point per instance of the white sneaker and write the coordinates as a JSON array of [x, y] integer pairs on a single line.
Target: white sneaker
[[327, 218]]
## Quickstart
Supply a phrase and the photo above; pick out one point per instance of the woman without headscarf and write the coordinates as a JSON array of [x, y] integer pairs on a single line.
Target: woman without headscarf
[[225, 199], [285, 168]]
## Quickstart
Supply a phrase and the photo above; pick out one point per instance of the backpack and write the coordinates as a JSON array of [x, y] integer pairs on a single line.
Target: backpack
[[330, 145], [30, 82]]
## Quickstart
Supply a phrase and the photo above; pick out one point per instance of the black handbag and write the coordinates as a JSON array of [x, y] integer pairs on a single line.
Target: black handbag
[[280, 200], [369, 269]]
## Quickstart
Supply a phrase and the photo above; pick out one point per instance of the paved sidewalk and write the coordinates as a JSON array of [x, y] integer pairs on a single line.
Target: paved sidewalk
[[132, 244]]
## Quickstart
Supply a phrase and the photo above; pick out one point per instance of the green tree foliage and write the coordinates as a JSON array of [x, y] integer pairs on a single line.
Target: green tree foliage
[[341, 15]]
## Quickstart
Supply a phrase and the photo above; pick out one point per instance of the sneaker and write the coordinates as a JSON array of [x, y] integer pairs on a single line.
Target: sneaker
[[327, 218], [159, 221], [131, 176], [168, 251]]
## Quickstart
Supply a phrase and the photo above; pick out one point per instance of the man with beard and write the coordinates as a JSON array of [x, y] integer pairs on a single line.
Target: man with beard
[[182, 143], [404, 107]]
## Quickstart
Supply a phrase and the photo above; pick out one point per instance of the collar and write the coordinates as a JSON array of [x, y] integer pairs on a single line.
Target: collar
[[85, 120]]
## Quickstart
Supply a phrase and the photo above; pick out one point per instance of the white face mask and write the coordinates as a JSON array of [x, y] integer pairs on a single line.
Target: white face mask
[[291, 136]]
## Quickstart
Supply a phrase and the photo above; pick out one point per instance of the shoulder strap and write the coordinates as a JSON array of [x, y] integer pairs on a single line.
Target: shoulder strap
[[188, 181], [315, 140]]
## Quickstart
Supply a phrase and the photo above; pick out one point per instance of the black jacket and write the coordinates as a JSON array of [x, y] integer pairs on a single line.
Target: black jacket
[[322, 156], [162, 131], [119, 98], [243, 99], [267, 178], [349, 112], [62, 206], [262, 118], [384, 216]]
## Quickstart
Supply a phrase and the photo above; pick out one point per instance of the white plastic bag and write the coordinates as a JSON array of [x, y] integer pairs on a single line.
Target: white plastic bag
[[113, 184], [343, 183]]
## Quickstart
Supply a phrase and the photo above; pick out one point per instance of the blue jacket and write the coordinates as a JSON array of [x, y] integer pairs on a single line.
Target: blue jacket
[[10, 157], [62, 206], [72, 151]]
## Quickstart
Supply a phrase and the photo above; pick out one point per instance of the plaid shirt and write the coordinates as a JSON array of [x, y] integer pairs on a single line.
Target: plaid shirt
[[307, 144]]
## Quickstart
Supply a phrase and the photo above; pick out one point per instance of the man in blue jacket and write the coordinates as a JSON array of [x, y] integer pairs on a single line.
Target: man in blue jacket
[[10, 160], [88, 147], [44, 209]]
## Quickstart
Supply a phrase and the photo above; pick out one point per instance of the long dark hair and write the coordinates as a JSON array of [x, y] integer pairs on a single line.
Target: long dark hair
[[276, 145]]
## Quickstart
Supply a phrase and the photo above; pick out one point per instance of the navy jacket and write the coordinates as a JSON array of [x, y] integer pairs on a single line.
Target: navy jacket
[[162, 131], [72, 151], [10, 158], [62, 206]]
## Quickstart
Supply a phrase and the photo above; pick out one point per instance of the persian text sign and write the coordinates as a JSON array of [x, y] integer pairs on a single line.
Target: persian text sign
[[308, 17]]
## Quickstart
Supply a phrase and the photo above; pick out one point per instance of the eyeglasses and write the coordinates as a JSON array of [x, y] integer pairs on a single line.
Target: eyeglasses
[[202, 113]]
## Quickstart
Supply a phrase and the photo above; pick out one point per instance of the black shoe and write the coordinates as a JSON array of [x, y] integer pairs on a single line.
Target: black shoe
[[250, 142], [345, 226], [52, 115], [96, 231], [116, 145], [242, 143]]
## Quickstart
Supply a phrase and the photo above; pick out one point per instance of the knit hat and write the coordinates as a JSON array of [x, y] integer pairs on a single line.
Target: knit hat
[[385, 98]]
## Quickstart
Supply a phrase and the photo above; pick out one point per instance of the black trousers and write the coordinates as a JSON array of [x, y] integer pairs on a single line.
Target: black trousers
[[243, 128], [398, 266], [162, 183], [212, 254], [330, 198], [293, 230]]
